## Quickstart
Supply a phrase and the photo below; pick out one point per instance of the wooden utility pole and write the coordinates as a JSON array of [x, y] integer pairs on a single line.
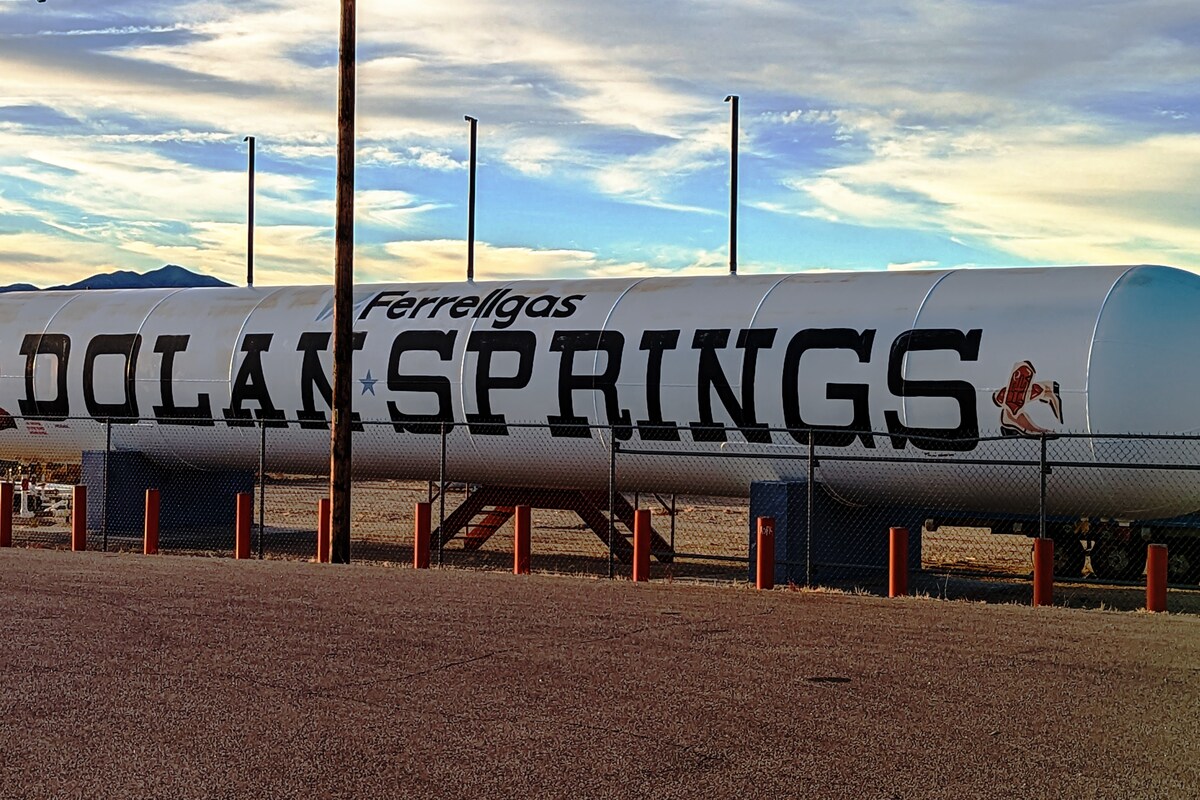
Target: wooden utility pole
[[343, 295]]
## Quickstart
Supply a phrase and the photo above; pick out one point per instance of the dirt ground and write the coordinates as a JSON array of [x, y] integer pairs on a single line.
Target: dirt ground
[[197, 677], [959, 563]]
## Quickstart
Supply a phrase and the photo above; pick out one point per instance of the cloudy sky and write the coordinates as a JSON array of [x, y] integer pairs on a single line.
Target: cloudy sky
[[874, 134]]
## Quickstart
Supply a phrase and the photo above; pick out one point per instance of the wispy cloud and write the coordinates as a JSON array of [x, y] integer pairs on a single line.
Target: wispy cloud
[[909, 266], [934, 131], [1063, 194], [125, 30]]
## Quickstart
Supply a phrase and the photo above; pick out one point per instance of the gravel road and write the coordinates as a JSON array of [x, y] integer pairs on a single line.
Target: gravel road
[[173, 677]]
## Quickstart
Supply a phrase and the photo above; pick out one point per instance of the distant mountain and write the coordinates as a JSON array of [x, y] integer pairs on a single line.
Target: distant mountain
[[168, 277]]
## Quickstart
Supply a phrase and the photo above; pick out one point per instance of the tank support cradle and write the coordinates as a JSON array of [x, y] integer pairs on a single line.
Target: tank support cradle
[[497, 504]]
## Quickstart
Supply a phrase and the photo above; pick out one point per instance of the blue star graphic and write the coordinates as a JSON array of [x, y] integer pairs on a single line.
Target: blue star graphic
[[368, 383]]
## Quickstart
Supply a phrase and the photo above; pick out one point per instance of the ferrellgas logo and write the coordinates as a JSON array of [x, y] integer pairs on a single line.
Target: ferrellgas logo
[[501, 307], [1018, 397]]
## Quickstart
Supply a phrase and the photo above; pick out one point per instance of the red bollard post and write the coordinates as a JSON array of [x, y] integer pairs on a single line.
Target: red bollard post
[[422, 522], [897, 562], [6, 512], [1156, 577], [521, 541], [79, 518], [150, 529], [641, 545], [324, 531], [241, 541], [1043, 572], [764, 565]]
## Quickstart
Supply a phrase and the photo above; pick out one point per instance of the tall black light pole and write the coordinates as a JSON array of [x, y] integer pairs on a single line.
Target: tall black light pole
[[471, 204], [733, 182], [250, 215], [343, 295]]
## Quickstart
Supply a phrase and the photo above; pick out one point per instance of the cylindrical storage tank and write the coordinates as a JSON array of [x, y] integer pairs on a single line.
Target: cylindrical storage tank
[[946, 369]]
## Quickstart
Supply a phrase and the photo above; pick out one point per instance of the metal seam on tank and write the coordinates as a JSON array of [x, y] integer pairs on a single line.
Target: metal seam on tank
[[49, 322], [233, 356], [462, 361], [1087, 366], [754, 316], [763, 299], [150, 312], [57, 311], [462, 372], [153, 308], [604, 327], [158, 429], [917, 319], [241, 330]]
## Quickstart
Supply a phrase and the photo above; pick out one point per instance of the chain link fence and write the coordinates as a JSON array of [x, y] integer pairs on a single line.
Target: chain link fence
[[971, 506]]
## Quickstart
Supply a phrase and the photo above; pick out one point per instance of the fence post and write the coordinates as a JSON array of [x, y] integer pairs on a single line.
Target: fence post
[[612, 500], [1156, 577], [324, 531], [521, 541], [79, 518], [764, 573], [641, 545], [898, 562], [672, 528], [442, 497], [810, 516], [6, 514], [241, 539], [421, 525], [1043, 572], [1044, 470], [107, 504], [150, 527], [262, 482]]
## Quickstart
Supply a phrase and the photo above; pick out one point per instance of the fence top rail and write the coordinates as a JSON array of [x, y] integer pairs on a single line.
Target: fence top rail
[[799, 435], [885, 458]]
